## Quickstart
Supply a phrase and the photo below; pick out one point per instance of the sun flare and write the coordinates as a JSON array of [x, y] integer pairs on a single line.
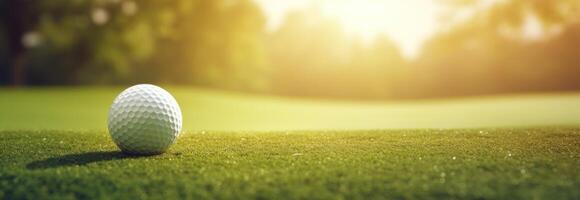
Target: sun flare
[[408, 23]]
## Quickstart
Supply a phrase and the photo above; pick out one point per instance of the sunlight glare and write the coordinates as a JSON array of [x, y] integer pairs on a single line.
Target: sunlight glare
[[408, 23]]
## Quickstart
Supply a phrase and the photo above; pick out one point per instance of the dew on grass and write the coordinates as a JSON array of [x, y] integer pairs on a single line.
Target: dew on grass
[[454, 157], [297, 154]]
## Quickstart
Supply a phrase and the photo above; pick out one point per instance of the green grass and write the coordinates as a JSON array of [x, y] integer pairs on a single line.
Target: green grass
[[86, 109], [54, 145], [417, 164]]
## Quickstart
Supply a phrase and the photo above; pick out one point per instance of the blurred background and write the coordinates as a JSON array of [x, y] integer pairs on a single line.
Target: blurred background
[[320, 48]]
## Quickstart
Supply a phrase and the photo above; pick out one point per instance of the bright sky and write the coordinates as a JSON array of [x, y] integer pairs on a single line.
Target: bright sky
[[408, 22]]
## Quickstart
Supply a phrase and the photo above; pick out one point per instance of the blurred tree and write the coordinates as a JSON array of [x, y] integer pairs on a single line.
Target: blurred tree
[[312, 56], [17, 17], [491, 51], [307, 52], [219, 44], [506, 46], [378, 68], [210, 42], [516, 12], [90, 38], [4, 65], [100, 41]]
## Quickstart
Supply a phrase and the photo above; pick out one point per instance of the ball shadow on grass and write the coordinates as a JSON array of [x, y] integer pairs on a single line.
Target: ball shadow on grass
[[77, 159]]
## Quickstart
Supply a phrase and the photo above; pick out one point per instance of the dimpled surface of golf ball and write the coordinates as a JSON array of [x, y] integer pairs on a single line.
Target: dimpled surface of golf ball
[[144, 119]]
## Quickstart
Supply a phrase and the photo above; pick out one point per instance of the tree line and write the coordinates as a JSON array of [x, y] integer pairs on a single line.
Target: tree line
[[224, 44]]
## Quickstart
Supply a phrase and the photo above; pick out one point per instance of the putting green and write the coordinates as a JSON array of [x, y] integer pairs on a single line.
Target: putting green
[[85, 108]]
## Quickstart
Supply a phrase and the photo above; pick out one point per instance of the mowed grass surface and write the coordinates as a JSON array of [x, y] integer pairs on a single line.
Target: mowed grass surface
[[85, 108], [54, 144], [397, 164]]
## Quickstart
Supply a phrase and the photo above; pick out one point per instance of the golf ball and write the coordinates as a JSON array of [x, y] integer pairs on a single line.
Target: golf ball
[[144, 119]]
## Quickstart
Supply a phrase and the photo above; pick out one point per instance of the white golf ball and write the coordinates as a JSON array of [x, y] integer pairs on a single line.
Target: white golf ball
[[144, 119]]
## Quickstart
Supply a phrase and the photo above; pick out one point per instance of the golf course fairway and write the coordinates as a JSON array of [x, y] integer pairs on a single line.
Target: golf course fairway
[[54, 145]]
